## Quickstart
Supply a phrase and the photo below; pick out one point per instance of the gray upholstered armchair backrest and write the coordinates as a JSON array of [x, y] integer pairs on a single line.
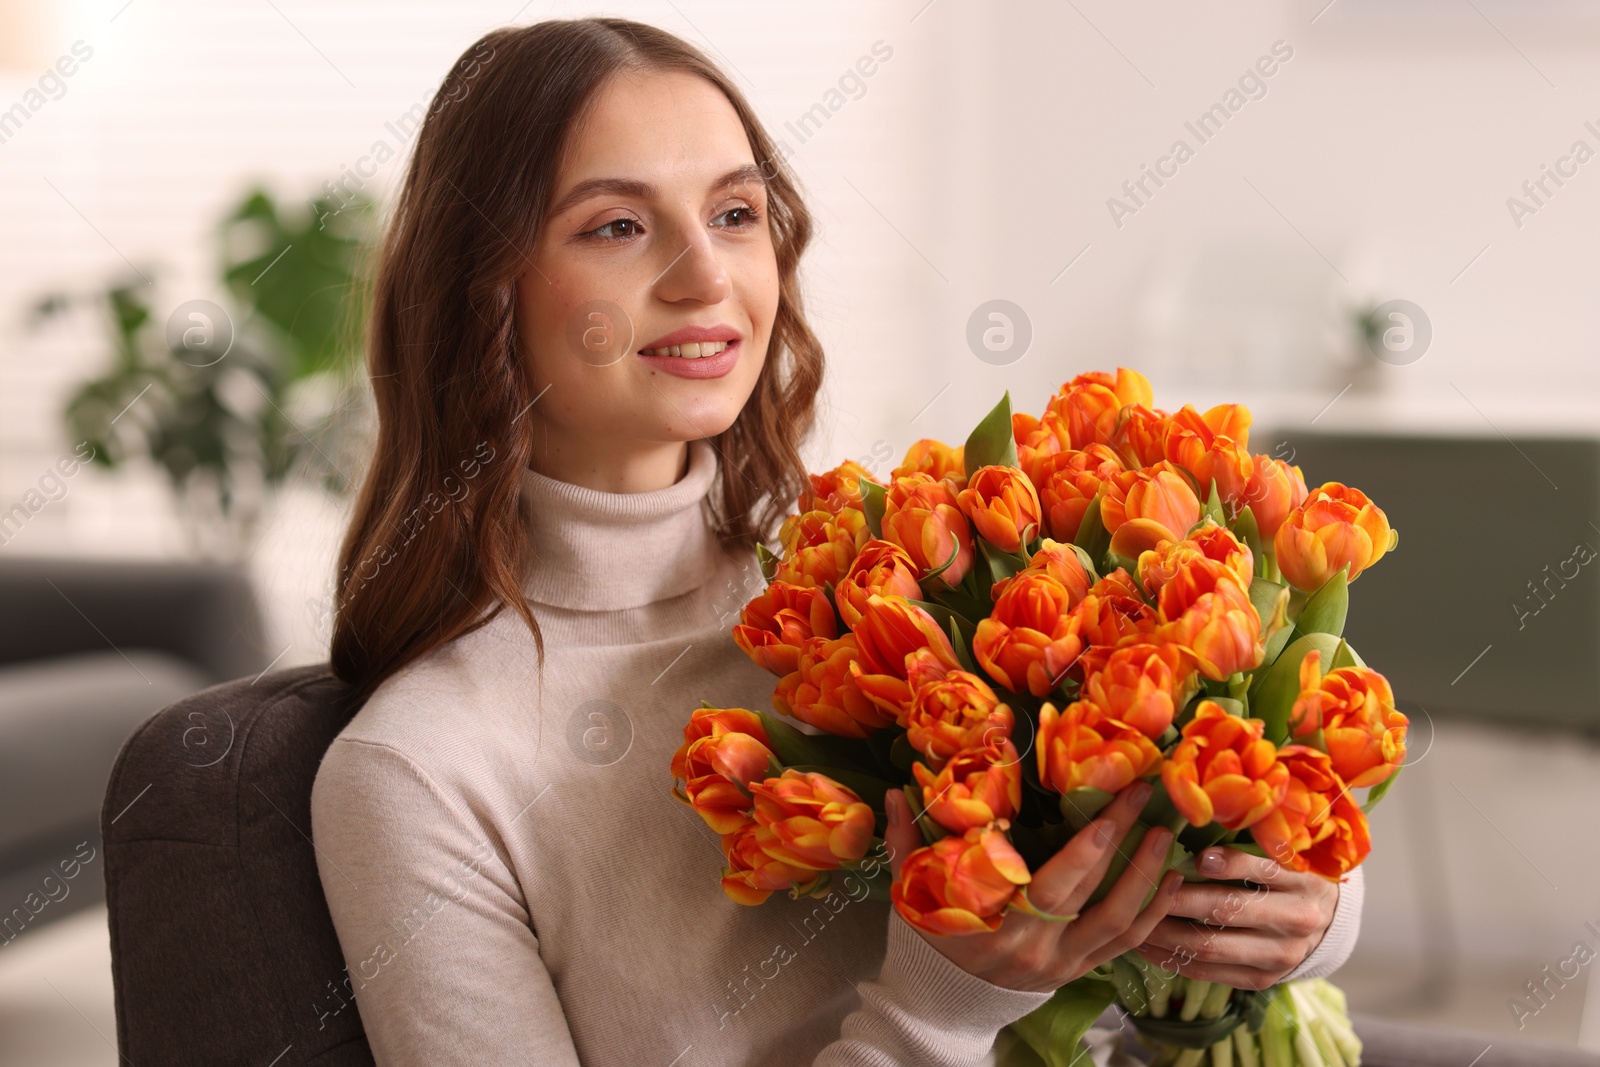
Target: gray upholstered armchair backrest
[[222, 949]]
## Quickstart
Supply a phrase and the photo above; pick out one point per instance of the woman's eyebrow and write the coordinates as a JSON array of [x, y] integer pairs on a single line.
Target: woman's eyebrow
[[645, 191]]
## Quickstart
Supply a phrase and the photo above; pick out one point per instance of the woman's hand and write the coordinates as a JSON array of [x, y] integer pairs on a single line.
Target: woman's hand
[[1250, 937], [1040, 955]]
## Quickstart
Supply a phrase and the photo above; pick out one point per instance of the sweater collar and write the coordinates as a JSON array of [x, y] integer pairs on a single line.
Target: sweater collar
[[599, 551]]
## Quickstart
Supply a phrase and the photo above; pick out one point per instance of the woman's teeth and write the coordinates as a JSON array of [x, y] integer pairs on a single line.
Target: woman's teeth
[[689, 351]]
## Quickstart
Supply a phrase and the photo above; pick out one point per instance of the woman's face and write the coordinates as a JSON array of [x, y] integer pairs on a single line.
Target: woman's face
[[657, 238]]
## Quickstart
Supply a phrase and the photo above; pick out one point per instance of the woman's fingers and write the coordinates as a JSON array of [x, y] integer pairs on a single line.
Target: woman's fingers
[[1143, 926], [901, 835], [1230, 865], [1180, 941], [1066, 879], [1115, 914], [1226, 905]]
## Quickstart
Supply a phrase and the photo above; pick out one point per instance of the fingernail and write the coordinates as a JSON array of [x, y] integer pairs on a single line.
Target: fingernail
[[1159, 838], [1103, 829], [1211, 861], [1174, 882], [1139, 793]]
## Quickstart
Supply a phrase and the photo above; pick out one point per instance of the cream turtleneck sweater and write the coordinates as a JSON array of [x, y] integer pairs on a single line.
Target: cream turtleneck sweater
[[512, 881]]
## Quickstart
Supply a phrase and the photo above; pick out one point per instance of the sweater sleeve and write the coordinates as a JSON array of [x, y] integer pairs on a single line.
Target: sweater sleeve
[[923, 1009], [1340, 940], [442, 959]]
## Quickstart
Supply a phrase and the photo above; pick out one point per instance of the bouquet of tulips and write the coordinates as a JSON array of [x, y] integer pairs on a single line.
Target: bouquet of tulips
[[1013, 630]]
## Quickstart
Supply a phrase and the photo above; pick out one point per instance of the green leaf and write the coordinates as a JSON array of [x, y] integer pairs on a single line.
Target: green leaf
[[1002, 565], [991, 442], [959, 640], [1246, 529], [872, 504], [1324, 612], [1344, 656], [1264, 596], [796, 748], [1377, 792], [952, 602], [1274, 692], [1213, 507], [1113, 561], [1055, 1029], [1093, 537], [768, 561], [902, 754], [1080, 806], [1088, 562]]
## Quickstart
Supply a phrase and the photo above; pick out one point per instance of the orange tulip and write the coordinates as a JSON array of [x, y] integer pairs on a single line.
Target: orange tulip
[[1224, 769], [818, 546], [1289, 827], [1068, 481], [775, 626], [935, 459], [1084, 746], [1212, 447], [1141, 684], [922, 516], [960, 885], [1037, 439], [1159, 565], [815, 822], [835, 490], [976, 787], [1207, 612], [1142, 508], [1273, 490], [751, 876], [723, 750], [1335, 525], [1055, 560], [1113, 612], [1091, 404], [1354, 708], [1002, 505], [1318, 826], [822, 691], [711, 722], [1030, 638], [890, 629], [1343, 841], [881, 567], [953, 712], [1142, 435]]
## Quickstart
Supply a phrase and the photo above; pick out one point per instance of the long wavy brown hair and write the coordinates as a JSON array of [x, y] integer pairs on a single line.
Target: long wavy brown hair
[[436, 546]]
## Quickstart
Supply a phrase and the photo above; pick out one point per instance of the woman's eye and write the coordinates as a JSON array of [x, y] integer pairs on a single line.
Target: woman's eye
[[736, 218], [616, 229]]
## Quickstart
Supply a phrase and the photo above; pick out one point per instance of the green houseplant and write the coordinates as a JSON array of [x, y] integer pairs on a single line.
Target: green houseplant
[[234, 398]]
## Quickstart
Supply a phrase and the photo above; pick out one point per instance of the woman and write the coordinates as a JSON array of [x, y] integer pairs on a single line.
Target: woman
[[592, 374]]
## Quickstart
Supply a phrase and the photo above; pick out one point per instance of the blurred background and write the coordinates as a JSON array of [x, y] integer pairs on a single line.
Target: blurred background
[[1378, 233]]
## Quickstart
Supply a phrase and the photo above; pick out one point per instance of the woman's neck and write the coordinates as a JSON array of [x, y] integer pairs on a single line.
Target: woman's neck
[[609, 466]]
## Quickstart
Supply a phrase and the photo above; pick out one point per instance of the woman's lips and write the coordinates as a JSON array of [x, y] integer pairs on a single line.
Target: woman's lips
[[703, 366]]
